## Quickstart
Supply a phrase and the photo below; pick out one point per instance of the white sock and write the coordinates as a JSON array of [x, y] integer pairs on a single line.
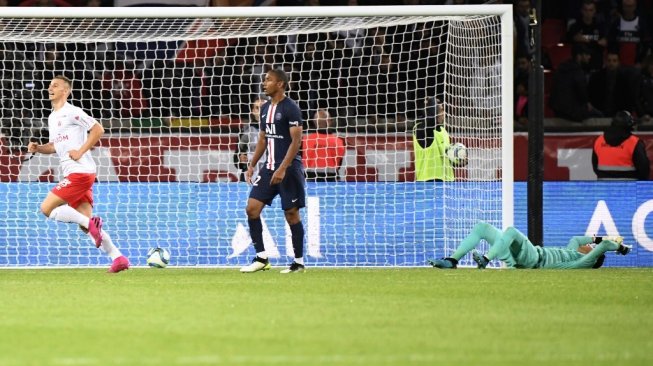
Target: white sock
[[107, 246], [262, 255], [299, 261], [68, 214]]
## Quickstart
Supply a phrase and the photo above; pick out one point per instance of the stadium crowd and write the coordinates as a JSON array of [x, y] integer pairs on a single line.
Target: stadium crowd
[[597, 56]]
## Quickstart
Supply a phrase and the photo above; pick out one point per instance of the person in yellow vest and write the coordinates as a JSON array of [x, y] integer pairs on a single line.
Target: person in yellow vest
[[618, 154], [430, 144]]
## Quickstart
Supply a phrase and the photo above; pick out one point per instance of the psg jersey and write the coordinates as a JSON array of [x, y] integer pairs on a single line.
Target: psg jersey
[[276, 121]]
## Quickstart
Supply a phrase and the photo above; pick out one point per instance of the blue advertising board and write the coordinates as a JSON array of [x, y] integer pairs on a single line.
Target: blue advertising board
[[347, 224], [596, 208]]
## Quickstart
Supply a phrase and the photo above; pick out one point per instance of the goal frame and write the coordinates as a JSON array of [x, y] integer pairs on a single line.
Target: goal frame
[[504, 12]]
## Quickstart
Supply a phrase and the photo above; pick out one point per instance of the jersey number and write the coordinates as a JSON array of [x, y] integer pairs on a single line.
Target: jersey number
[[255, 183]]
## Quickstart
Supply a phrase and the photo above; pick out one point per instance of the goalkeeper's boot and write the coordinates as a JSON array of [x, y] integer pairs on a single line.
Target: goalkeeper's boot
[[119, 264], [481, 260], [258, 264], [624, 249], [294, 268], [95, 230], [444, 263]]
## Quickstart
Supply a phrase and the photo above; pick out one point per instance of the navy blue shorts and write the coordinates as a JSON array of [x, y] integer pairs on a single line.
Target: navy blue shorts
[[291, 189]]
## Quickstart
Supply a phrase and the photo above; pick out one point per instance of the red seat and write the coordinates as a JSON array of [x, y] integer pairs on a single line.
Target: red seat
[[553, 32], [628, 53], [360, 174], [558, 54]]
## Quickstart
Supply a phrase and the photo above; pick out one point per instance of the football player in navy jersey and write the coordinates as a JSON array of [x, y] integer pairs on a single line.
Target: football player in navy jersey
[[282, 173]]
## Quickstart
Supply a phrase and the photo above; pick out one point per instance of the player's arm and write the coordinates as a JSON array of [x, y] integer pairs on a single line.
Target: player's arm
[[258, 152], [293, 149], [578, 241], [48, 148], [94, 135], [588, 260]]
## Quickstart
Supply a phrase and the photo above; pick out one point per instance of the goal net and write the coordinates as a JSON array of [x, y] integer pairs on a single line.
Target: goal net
[[175, 93]]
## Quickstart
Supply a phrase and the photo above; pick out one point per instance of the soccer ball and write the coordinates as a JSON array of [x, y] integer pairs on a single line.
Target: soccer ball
[[457, 153], [158, 257]]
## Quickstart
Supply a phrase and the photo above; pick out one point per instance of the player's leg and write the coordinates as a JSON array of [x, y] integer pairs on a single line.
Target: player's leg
[[297, 235], [73, 189], [260, 195], [260, 261], [107, 245], [481, 231], [253, 210], [118, 261], [514, 249], [55, 208], [293, 197], [65, 213]]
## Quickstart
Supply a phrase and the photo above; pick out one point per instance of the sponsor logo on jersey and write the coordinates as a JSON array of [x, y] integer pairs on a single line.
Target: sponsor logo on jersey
[[60, 138]]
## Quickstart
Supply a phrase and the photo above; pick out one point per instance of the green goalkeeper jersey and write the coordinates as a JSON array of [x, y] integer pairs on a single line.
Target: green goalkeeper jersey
[[570, 258], [515, 250]]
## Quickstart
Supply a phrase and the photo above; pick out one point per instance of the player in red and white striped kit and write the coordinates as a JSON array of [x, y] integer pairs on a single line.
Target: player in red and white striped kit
[[72, 135]]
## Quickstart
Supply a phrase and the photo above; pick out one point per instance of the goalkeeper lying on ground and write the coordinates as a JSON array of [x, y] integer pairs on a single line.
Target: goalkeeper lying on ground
[[516, 251]]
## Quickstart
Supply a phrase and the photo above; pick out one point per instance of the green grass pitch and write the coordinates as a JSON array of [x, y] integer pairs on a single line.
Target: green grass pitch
[[419, 316]]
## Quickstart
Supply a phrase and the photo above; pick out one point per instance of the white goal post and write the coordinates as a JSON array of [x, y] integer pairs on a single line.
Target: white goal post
[[173, 88]]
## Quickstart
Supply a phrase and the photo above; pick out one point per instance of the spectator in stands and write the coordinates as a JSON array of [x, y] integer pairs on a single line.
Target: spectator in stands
[[379, 94], [305, 88], [323, 151], [630, 34], [328, 68], [522, 73], [521, 98], [429, 63], [588, 29], [614, 87], [573, 9], [521, 20], [247, 138], [126, 89], [618, 154], [569, 97], [645, 98]]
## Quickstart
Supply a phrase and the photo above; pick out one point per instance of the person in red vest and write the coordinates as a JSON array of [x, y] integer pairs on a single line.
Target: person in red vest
[[618, 154], [323, 150]]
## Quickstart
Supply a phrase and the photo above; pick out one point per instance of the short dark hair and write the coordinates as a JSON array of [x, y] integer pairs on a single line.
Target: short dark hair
[[624, 120], [588, 2], [281, 76], [65, 80], [580, 49]]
